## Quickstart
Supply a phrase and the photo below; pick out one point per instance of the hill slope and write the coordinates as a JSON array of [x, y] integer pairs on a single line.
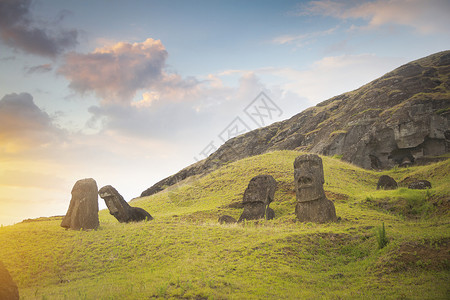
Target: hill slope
[[401, 117], [185, 253]]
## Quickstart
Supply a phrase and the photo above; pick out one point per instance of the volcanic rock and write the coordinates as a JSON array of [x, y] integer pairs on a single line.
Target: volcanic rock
[[386, 182], [83, 207], [420, 185], [8, 288]]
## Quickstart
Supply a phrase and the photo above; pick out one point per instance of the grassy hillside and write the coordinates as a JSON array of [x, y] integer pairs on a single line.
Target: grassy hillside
[[185, 253]]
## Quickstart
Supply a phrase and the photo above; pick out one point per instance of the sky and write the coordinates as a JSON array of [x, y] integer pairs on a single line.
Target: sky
[[130, 92]]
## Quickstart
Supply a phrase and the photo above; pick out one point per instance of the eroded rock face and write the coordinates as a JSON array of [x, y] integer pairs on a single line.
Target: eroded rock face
[[401, 118], [258, 195], [120, 209], [312, 204], [83, 207], [8, 288], [386, 182]]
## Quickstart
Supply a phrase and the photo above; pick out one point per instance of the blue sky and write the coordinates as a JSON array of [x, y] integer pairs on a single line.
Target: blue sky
[[129, 92]]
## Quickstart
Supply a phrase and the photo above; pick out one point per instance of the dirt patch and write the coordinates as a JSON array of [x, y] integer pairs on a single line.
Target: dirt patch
[[430, 255], [336, 196]]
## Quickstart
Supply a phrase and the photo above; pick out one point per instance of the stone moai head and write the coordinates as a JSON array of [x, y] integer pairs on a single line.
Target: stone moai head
[[114, 201], [309, 178], [261, 188]]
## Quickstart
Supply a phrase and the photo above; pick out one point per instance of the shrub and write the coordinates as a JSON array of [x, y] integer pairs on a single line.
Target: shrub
[[381, 237]]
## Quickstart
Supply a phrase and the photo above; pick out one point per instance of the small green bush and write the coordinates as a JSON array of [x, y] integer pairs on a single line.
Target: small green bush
[[381, 237]]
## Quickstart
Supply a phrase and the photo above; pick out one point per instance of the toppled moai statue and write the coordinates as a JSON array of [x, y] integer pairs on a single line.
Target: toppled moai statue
[[312, 204], [386, 182], [8, 288], [259, 194], [420, 185], [225, 219], [83, 207], [120, 209]]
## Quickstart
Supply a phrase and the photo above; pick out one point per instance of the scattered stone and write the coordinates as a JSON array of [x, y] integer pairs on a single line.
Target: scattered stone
[[312, 204], [259, 194], [386, 182], [227, 220], [83, 207], [420, 185], [270, 213], [8, 288], [120, 209]]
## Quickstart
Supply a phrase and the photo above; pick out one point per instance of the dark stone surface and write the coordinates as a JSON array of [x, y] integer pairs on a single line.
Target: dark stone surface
[[227, 219], [258, 195], [83, 207], [8, 288], [312, 204], [361, 125], [120, 209], [386, 182], [420, 185], [270, 213]]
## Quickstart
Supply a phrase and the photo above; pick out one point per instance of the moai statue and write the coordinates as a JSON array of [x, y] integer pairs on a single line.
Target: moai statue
[[83, 207], [257, 197], [120, 209], [312, 204]]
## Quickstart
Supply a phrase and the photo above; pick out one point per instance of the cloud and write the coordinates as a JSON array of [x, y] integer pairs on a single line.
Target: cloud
[[24, 125], [19, 30], [424, 16], [302, 39], [115, 73], [39, 69]]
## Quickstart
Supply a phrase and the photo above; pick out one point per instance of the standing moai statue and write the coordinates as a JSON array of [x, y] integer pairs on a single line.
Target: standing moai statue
[[312, 204], [120, 209], [83, 207], [257, 197]]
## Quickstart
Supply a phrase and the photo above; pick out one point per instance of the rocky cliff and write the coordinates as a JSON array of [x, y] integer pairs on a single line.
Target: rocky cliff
[[401, 118]]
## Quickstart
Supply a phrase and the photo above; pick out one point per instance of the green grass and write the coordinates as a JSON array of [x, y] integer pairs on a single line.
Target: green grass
[[185, 253]]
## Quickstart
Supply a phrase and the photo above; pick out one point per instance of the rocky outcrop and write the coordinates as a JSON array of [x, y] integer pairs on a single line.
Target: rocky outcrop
[[120, 209], [8, 288], [420, 185], [83, 207], [386, 182], [401, 118]]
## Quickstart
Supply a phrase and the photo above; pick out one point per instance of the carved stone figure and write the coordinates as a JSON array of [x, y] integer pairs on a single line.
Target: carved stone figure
[[83, 207], [120, 209], [312, 204], [8, 288], [259, 194]]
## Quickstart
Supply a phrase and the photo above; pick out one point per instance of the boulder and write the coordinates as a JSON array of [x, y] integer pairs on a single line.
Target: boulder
[[386, 182], [312, 204], [270, 213], [258, 195], [83, 207], [420, 185], [225, 219], [120, 209], [8, 289]]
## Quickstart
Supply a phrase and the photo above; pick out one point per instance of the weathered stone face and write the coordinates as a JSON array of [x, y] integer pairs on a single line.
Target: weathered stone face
[[83, 207], [309, 178], [259, 193], [120, 209], [8, 288], [312, 204], [386, 182]]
